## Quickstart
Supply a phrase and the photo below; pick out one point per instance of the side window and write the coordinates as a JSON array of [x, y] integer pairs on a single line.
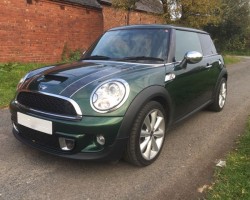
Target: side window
[[186, 41], [207, 45]]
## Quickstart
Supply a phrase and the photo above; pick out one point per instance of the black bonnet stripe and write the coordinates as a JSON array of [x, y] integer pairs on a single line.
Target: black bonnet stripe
[[79, 84]]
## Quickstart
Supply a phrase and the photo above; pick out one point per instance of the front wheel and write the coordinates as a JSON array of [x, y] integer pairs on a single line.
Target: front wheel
[[147, 135], [220, 96]]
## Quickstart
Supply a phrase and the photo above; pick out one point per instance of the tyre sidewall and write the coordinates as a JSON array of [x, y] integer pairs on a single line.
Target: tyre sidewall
[[136, 130]]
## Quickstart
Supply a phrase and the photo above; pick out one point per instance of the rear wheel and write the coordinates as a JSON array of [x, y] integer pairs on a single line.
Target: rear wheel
[[220, 96], [147, 135]]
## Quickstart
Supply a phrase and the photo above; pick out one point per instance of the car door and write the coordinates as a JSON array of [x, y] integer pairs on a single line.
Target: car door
[[187, 89], [212, 64]]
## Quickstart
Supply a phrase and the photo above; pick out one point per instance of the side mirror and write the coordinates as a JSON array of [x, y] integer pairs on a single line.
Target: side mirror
[[191, 57]]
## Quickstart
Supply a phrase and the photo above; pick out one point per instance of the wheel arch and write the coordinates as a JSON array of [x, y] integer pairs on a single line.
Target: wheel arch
[[152, 93], [223, 74]]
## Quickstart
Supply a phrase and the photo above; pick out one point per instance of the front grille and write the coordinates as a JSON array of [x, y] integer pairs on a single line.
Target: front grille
[[45, 103], [33, 136]]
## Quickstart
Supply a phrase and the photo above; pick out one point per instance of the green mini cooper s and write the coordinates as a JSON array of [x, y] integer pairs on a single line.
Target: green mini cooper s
[[120, 99]]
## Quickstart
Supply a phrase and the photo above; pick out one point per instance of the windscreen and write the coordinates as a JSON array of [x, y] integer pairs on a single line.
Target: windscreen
[[126, 43]]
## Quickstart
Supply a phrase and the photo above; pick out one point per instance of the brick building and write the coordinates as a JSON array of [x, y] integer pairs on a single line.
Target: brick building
[[146, 12], [39, 30]]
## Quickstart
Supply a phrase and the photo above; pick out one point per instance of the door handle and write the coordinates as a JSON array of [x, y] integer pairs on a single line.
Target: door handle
[[208, 65]]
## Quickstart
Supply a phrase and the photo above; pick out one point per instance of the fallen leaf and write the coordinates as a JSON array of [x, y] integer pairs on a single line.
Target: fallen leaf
[[221, 163], [201, 189]]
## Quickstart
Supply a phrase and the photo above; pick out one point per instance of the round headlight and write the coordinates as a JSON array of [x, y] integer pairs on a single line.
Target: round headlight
[[109, 95]]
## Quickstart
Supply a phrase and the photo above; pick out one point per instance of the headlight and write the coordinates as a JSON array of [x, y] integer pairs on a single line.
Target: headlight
[[22, 81], [109, 95]]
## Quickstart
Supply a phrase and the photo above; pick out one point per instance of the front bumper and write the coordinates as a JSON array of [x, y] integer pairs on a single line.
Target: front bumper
[[83, 132], [112, 152]]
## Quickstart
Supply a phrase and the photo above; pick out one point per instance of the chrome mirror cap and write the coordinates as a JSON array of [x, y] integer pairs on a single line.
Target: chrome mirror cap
[[193, 57]]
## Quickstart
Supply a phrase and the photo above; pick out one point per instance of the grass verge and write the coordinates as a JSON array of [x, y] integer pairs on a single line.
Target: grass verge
[[233, 181], [245, 52], [231, 59], [10, 74]]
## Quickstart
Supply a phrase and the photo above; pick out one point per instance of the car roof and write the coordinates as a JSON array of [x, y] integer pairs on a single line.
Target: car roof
[[157, 26]]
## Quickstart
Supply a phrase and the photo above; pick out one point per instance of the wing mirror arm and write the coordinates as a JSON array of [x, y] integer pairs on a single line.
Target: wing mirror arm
[[183, 63]]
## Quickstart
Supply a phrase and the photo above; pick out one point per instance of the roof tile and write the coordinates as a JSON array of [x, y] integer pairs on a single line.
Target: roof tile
[[152, 6]]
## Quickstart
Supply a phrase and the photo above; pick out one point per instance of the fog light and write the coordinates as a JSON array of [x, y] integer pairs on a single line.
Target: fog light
[[100, 139], [66, 144]]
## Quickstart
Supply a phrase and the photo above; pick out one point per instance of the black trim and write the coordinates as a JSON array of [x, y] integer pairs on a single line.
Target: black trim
[[148, 94], [222, 74], [162, 26], [171, 52], [192, 113], [189, 29]]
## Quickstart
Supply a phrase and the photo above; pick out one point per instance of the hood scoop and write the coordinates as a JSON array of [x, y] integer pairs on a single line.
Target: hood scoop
[[50, 82], [53, 79]]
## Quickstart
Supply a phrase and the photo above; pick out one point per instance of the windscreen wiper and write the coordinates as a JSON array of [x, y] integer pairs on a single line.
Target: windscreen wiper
[[96, 57], [141, 58]]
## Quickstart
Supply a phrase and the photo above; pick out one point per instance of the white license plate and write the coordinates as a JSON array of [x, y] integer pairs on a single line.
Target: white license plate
[[37, 124]]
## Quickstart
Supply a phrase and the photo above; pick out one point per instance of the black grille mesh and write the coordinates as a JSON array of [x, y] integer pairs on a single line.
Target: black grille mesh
[[33, 136], [46, 103]]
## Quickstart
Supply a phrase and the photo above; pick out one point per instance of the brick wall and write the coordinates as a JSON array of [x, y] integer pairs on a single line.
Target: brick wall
[[117, 17], [38, 32]]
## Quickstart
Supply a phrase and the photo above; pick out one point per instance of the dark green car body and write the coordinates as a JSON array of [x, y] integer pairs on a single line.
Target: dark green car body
[[62, 95]]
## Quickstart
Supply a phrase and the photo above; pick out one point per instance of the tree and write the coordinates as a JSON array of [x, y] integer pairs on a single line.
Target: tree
[[232, 33], [192, 13], [228, 21]]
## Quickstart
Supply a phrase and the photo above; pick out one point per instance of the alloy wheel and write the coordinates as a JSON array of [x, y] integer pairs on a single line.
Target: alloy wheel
[[222, 95], [152, 134]]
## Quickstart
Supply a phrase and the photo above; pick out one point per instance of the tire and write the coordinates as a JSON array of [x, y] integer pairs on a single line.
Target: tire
[[220, 96], [145, 144]]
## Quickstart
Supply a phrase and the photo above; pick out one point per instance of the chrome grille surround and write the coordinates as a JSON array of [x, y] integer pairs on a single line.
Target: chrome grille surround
[[74, 113]]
